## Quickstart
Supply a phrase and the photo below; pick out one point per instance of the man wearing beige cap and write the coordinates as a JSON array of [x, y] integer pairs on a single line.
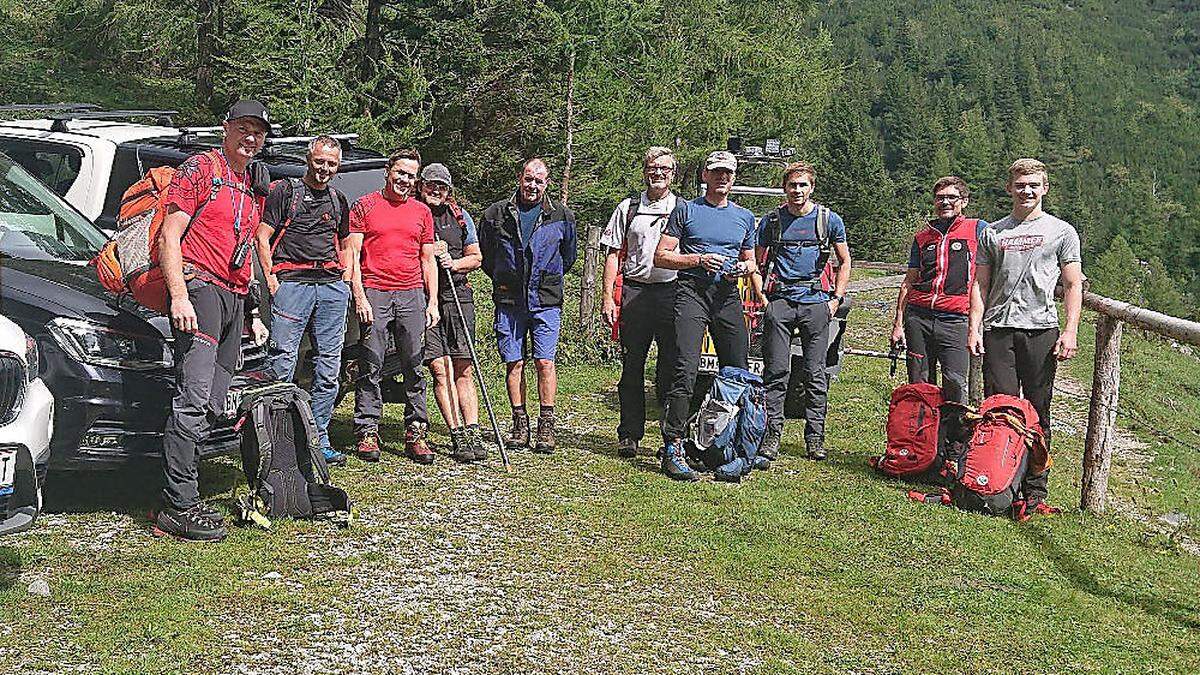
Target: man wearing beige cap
[[710, 241]]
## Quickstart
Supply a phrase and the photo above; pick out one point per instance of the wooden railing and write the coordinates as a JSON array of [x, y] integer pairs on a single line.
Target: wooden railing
[[1106, 384]]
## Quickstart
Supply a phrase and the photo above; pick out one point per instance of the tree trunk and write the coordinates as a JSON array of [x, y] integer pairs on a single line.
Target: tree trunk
[[1102, 415], [975, 381], [205, 48], [372, 44], [570, 146], [587, 282]]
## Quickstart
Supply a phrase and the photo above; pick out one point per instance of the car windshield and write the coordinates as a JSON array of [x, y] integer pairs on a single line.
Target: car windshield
[[36, 224]]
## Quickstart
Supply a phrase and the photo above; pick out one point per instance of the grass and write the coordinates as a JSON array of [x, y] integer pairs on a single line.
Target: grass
[[586, 561]]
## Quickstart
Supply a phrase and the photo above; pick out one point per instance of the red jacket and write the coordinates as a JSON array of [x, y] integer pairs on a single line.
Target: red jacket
[[947, 267]]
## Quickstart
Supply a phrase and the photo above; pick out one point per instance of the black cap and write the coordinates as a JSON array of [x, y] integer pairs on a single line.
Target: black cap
[[249, 108]]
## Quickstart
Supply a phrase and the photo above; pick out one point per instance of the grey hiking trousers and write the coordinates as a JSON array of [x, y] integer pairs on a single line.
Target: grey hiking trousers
[[400, 315]]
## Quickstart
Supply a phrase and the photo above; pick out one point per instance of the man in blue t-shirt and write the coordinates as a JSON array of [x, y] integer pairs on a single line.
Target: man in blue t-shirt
[[710, 240], [798, 301]]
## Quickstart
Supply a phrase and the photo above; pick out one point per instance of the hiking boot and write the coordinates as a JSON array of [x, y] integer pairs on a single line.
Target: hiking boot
[[770, 444], [192, 524], [461, 443], [518, 436], [674, 463], [627, 448], [545, 434], [333, 457], [368, 447], [415, 445], [211, 512], [475, 442], [816, 448], [1024, 512], [761, 463]]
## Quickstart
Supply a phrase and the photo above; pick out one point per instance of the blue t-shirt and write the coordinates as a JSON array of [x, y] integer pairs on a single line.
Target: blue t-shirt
[[472, 234], [528, 220], [796, 260], [701, 227], [914, 254]]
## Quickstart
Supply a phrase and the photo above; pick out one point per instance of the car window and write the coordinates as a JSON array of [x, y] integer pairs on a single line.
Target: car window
[[36, 223], [55, 164], [354, 184]]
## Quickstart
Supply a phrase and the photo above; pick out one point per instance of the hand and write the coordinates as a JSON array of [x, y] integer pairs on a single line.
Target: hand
[[608, 310], [432, 315], [183, 315], [712, 262], [1066, 347], [259, 330], [833, 307], [363, 307], [740, 269], [272, 283], [975, 343], [897, 335], [762, 299], [445, 260], [440, 247]]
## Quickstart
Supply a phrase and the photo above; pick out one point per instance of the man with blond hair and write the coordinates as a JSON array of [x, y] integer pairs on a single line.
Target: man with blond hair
[[647, 293], [1022, 258], [795, 241], [939, 291]]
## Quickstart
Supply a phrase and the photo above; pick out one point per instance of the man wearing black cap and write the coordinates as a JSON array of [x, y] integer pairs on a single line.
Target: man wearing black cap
[[204, 252], [302, 245], [710, 240]]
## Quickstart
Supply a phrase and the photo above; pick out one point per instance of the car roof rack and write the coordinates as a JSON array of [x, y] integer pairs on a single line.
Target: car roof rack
[[59, 122], [48, 107]]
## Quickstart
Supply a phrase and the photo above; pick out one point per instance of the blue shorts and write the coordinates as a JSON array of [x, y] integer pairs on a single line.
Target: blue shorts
[[512, 324]]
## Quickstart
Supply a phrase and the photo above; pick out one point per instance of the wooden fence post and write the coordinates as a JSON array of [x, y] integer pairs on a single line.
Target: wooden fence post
[[1102, 415], [975, 381]]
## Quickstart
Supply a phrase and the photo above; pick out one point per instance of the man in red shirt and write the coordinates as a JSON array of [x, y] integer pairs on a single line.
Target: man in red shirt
[[205, 241], [395, 288]]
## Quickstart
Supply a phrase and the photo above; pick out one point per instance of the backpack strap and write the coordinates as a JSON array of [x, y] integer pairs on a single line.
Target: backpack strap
[[824, 241], [297, 192], [312, 438], [772, 234]]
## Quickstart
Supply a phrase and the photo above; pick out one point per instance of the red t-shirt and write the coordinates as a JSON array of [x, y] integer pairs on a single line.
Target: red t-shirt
[[393, 232], [211, 240]]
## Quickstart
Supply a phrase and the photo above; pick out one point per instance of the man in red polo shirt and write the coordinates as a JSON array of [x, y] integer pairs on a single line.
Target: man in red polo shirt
[[394, 279], [205, 241]]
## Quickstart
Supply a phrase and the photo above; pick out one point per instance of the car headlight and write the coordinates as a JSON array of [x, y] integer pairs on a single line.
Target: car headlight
[[31, 359], [99, 345]]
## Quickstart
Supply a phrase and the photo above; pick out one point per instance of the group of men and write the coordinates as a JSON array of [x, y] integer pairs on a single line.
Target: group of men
[[400, 256], [989, 290]]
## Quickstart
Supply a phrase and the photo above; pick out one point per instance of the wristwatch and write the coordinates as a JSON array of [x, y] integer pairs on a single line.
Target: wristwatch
[[841, 299]]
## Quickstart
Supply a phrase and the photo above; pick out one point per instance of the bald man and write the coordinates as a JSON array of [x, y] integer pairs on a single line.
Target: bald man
[[528, 245]]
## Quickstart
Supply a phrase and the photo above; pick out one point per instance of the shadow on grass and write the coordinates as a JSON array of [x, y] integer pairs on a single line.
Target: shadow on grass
[[605, 444], [10, 567], [1082, 578], [133, 490]]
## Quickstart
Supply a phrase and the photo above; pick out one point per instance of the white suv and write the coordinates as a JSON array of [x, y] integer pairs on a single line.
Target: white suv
[[26, 424]]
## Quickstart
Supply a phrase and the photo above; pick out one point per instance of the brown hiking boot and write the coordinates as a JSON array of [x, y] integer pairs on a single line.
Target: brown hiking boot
[[518, 436], [415, 446], [368, 447], [545, 434]]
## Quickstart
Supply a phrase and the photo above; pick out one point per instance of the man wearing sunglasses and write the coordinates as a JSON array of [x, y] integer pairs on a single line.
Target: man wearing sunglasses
[[939, 291]]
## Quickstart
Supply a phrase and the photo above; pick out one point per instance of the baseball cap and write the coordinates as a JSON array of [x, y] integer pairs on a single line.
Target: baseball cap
[[436, 173], [249, 108], [721, 159]]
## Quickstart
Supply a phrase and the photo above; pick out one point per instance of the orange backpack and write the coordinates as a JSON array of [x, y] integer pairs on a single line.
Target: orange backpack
[[128, 263]]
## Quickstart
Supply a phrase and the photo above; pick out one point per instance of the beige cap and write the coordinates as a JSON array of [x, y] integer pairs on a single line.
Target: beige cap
[[721, 159]]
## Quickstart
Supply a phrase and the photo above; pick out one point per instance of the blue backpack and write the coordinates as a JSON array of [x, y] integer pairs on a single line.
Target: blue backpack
[[731, 423]]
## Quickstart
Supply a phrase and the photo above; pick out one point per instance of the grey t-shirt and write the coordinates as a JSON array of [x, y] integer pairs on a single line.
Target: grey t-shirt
[[1025, 258], [642, 238]]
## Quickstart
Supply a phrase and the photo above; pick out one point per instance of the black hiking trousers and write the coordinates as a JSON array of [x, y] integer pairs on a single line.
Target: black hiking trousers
[[1021, 362], [938, 341], [646, 316], [204, 365], [699, 306], [781, 318]]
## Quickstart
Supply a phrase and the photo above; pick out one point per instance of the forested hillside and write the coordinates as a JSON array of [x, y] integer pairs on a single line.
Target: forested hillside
[[882, 95]]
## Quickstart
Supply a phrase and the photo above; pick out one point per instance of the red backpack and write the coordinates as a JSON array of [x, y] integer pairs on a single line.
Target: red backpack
[[1007, 442], [913, 432]]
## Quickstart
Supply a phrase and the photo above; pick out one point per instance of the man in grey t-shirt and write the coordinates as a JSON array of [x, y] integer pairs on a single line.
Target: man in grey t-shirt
[[1022, 257], [647, 293]]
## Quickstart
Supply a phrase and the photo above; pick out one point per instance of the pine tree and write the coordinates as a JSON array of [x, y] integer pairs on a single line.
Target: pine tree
[[1118, 273]]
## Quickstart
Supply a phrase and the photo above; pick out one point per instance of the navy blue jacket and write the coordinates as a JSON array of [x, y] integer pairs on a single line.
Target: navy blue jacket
[[532, 269]]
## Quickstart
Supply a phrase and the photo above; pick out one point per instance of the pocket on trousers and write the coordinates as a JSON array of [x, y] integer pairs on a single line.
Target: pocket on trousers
[[550, 290], [506, 288]]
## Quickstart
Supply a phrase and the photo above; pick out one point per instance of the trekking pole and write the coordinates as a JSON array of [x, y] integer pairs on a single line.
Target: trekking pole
[[487, 400]]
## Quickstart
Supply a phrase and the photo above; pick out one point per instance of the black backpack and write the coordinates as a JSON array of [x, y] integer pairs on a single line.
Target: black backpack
[[772, 240], [282, 459]]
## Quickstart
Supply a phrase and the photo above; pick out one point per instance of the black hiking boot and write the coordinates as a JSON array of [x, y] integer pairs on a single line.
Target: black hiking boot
[[674, 463], [545, 434], [211, 512], [627, 448], [816, 448], [475, 442], [192, 524], [518, 436], [770, 444], [460, 443]]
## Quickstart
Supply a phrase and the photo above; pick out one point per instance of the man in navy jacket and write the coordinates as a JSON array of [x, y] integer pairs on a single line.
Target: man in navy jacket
[[528, 244]]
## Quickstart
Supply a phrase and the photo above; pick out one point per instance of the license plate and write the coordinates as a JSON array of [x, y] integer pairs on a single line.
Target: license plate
[[710, 366], [8, 468], [233, 400]]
